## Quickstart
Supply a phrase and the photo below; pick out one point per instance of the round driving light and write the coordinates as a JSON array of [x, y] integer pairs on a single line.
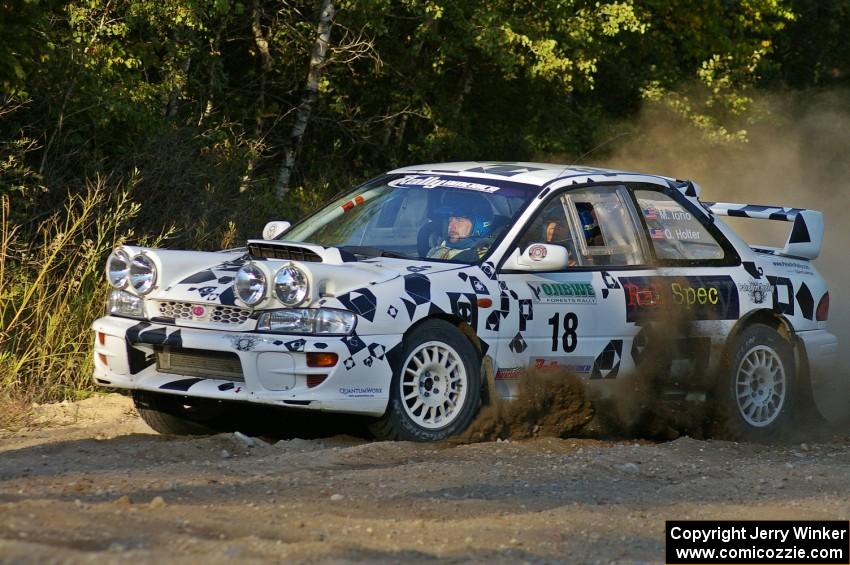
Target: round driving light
[[250, 284], [142, 273], [290, 285], [118, 268]]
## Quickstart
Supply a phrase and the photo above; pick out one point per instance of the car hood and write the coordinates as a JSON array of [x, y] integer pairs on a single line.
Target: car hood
[[208, 277]]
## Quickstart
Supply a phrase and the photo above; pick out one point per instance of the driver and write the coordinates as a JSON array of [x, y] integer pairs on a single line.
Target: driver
[[467, 232]]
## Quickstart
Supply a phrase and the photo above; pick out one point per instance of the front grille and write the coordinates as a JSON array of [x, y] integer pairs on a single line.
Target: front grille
[[200, 363], [272, 251], [216, 314]]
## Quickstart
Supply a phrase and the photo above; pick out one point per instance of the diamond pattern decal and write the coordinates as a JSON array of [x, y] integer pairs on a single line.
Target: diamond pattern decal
[[638, 346], [296, 345], [377, 350], [806, 301], [362, 302], [353, 343], [418, 288], [607, 364], [517, 344]]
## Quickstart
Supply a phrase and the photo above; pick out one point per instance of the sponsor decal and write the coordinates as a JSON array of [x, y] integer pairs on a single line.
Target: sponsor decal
[[198, 311], [706, 298], [537, 252], [796, 267], [241, 343], [581, 366], [436, 182], [758, 291], [563, 292], [509, 374], [360, 392]]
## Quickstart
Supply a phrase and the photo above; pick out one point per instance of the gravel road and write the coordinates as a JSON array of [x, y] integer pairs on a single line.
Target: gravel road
[[89, 482]]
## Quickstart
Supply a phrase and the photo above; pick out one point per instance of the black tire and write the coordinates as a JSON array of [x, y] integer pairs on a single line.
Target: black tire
[[397, 423], [759, 393], [176, 415]]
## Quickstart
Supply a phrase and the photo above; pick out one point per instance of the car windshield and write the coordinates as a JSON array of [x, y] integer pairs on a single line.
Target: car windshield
[[417, 216]]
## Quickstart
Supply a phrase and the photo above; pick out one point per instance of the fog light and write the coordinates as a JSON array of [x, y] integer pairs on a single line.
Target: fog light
[[315, 380], [102, 358], [321, 359]]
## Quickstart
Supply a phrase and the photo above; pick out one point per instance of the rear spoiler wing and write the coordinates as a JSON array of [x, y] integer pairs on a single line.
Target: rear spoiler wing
[[806, 235]]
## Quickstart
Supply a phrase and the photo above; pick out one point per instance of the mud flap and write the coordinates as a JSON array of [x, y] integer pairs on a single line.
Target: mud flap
[[488, 391], [830, 385]]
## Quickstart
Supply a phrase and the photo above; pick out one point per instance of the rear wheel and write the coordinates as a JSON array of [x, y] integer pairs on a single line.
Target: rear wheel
[[176, 415], [761, 387], [436, 391]]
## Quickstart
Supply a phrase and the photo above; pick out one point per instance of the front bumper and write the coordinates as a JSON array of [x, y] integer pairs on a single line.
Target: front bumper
[[274, 367]]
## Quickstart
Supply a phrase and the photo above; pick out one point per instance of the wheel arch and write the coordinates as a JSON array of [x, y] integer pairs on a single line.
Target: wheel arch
[[457, 322], [782, 326]]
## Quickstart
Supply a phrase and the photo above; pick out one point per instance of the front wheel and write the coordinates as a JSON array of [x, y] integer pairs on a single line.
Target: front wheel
[[174, 415], [436, 390], [761, 387]]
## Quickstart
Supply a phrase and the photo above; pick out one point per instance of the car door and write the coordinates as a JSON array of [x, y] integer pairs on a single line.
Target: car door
[[698, 273], [575, 319]]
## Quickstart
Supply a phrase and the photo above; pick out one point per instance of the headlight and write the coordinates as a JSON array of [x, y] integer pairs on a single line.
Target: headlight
[[122, 303], [142, 273], [250, 284], [325, 321], [291, 285], [329, 321], [118, 268]]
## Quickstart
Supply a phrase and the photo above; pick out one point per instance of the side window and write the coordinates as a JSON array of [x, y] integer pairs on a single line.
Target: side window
[[605, 230], [593, 224], [674, 231]]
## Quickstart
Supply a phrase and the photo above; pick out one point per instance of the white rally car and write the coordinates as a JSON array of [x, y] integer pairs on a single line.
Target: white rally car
[[409, 295]]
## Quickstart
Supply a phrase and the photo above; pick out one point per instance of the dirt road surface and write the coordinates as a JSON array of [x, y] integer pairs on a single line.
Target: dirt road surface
[[91, 483]]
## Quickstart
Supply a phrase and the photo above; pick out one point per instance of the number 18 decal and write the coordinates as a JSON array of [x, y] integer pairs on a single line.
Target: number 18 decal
[[569, 339]]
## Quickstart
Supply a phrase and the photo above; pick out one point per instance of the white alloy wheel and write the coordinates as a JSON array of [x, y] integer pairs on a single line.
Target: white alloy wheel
[[760, 386], [434, 385]]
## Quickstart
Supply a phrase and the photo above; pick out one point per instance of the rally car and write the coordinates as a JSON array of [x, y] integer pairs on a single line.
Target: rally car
[[410, 296]]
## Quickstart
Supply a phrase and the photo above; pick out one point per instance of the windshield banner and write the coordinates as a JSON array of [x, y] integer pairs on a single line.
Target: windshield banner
[[477, 185]]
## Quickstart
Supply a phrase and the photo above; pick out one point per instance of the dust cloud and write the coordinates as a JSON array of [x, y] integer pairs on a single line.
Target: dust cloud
[[557, 403], [550, 404], [797, 154]]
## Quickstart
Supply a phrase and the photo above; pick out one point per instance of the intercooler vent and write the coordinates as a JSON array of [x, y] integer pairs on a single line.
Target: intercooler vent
[[272, 251], [200, 363]]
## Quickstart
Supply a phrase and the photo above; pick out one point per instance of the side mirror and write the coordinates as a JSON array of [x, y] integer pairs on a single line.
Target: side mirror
[[274, 229], [539, 257]]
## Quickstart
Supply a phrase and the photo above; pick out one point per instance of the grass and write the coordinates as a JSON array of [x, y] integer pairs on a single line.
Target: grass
[[52, 287]]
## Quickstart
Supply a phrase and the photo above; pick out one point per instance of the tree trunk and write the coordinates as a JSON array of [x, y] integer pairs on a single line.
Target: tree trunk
[[174, 96], [311, 91], [260, 108]]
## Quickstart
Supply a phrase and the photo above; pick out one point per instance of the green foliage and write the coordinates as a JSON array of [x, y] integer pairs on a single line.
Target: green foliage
[[52, 287]]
